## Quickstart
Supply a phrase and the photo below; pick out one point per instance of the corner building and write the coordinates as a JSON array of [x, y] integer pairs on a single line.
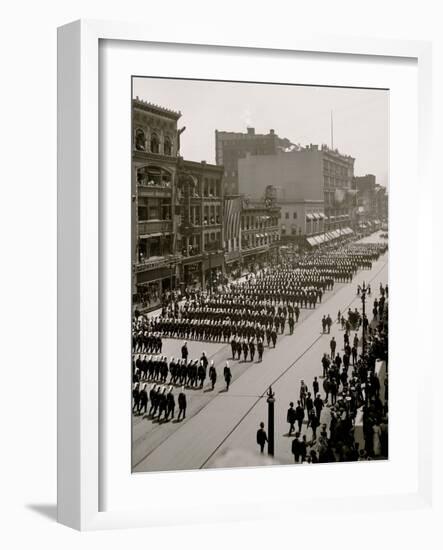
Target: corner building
[[155, 149]]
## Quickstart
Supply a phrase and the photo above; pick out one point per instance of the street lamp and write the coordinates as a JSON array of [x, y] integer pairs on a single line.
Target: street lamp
[[363, 291], [270, 401]]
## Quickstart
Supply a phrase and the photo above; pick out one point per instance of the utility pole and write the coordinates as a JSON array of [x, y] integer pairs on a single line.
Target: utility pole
[[270, 400], [363, 301]]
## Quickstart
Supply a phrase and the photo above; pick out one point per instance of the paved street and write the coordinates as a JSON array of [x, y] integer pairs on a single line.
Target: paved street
[[220, 427]]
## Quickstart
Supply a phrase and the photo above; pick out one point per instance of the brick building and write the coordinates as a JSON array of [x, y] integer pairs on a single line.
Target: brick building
[[232, 146], [200, 238]]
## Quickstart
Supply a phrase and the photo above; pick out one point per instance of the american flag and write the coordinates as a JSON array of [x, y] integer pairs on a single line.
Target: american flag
[[232, 214]]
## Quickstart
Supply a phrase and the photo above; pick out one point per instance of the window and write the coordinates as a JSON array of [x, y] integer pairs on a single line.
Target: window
[[142, 213], [167, 148], [153, 208], [140, 140], [294, 215], [155, 144], [287, 215]]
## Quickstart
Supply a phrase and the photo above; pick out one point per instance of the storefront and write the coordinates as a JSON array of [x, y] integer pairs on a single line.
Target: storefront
[[151, 284], [192, 274]]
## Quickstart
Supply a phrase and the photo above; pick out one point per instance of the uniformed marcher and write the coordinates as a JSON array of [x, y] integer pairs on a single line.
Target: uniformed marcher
[[185, 351], [227, 375], [212, 374], [260, 349], [162, 404], [153, 396], [135, 397], [170, 404], [182, 404], [251, 349], [143, 404]]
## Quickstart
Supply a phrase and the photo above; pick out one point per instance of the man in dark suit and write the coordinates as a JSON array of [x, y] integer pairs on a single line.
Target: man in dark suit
[[262, 438], [296, 448], [291, 417], [299, 415]]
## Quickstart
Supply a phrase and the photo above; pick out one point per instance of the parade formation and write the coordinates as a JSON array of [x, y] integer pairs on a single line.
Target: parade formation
[[339, 415]]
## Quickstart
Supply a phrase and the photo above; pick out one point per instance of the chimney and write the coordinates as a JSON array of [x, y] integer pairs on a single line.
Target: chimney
[[251, 131], [271, 131]]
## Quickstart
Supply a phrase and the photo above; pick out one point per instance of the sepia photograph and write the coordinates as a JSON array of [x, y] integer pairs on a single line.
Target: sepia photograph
[[260, 293]]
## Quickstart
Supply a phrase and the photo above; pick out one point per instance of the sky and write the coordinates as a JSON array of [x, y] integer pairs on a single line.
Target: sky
[[300, 113]]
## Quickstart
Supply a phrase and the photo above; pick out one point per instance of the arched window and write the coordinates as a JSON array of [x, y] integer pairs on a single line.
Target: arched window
[[155, 144], [140, 140], [167, 148]]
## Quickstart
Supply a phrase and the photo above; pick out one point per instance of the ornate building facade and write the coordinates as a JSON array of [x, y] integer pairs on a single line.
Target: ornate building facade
[[200, 237], [155, 149]]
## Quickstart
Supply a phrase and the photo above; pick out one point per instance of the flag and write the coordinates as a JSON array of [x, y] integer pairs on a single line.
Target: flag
[[232, 215]]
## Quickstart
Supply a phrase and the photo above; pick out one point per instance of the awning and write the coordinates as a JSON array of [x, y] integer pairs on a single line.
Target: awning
[[320, 239], [335, 234], [322, 215], [316, 215], [332, 217], [312, 241], [149, 235], [257, 236], [309, 216]]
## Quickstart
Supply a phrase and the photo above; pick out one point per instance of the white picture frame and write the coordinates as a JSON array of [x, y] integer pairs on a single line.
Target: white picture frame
[[79, 256]]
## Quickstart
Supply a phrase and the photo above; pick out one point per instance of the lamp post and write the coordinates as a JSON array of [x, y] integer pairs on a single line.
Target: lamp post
[[270, 401], [363, 291]]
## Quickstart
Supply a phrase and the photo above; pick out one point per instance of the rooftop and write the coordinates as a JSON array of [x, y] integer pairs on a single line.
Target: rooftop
[[158, 109]]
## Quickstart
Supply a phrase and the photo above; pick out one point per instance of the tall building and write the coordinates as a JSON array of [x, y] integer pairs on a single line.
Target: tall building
[[155, 148], [310, 173], [232, 146]]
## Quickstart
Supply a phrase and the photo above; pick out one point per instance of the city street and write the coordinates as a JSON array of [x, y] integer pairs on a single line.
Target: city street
[[220, 428]]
